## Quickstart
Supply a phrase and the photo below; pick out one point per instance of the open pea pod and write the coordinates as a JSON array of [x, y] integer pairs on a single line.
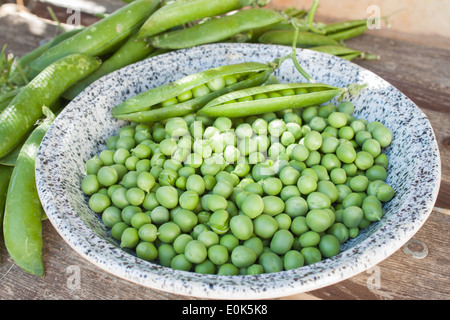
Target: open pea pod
[[192, 92], [270, 98]]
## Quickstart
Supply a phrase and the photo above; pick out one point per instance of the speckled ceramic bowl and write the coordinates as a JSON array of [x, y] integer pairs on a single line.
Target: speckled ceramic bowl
[[81, 130]]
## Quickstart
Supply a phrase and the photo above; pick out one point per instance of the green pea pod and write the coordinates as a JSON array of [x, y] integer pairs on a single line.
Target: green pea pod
[[18, 73], [345, 52], [345, 25], [147, 106], [131, 51], [216, 30], [22, 226], [99, 37], [348, 34], [309, 94], [7, 97], [26, 108], [5, 175], [304, 40], [183, 11]]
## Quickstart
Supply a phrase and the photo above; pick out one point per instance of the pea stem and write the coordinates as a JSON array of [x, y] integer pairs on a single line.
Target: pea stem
[[294, 58], [311, 15]]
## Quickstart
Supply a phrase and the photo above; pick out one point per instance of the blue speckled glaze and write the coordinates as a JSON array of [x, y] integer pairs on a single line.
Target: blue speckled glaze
[[81, 130]]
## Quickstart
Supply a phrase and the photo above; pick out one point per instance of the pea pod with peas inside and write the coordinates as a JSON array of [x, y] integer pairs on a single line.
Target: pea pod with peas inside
[[305, 39], [270, 98], [184, 11], [131, 51], [345, 52], [99, 37], [187, 95], [22, 226], [216, 30], [26, 108]]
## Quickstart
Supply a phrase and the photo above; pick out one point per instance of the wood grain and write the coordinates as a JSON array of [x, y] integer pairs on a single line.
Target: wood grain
[[417, 69]]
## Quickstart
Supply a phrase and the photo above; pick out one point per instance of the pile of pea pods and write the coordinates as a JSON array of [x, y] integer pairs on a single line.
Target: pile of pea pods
[[56, 72]]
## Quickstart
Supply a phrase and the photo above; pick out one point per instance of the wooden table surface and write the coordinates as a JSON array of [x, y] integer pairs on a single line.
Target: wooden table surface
[[418, 67]]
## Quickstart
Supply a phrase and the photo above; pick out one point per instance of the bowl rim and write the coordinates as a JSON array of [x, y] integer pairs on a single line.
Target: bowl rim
[[203, 286]]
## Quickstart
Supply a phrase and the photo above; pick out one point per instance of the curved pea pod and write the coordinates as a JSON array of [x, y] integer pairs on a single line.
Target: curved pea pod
[[148, 106], [26, 107], [18, 73], [348, 34], [99, 37], [345, 52], [131, 51], [183, 11], [305, 39], [342, 26], [22, 226], [216, 30], [5, 176], [242, 103]]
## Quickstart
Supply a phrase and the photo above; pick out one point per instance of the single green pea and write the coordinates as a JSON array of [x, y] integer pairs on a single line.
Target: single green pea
[[309, 239], [90, 184], [352, 216], [219, 221], [271, 262], [185, 219], [273, 205], [189, 200], [117, 229], [284, 221], [293, 259], [328, 188], [307, 184], [329, 245], [385, 192], [146, 251], [167, 196], [126, 142], [168, 232], [265, 226], [241, 226], [253, 205], [228, 269], [229, 241], [372, 211], [130, 238], [242, 256], [111, 216], [195, 251], [364, 160], [135, 196], [139, 219], [218, 254], [289, 176], [296, 206], [318, 220], [98, 202], [165, 254], [282, 241], [107, 176], [311, 254], [337, 119], [181, 262], [148, 232], [255, 269], [383, 135], [206, 267], [299, 225]]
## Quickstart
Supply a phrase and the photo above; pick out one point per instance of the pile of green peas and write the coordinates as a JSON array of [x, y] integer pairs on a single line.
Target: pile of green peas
[[224, 196]]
